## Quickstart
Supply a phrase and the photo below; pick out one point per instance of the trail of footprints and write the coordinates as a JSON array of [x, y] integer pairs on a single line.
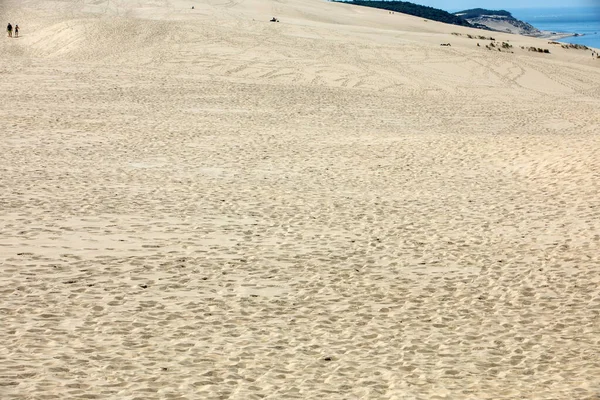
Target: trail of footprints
[[220, 238]]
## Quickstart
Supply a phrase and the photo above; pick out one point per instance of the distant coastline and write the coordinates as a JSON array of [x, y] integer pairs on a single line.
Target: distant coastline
[[504, 21], [568, 25], [557, 35]]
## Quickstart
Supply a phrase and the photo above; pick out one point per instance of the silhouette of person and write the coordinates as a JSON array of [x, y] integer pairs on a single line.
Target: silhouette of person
[[9, 30]]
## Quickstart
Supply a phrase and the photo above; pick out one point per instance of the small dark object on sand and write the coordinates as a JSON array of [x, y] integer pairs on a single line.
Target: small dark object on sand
[[327, 359], [274, 20]]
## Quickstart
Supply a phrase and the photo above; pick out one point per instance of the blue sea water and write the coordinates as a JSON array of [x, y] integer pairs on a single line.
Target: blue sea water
[[585, 21]]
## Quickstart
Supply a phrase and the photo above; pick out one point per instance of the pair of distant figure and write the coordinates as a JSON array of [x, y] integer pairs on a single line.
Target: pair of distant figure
[[10, 29]]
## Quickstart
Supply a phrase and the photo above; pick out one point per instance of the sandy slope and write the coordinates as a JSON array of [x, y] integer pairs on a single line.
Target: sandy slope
[[204, 205]]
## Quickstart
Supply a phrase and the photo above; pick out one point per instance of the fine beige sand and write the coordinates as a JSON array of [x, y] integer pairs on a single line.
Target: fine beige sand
[[200, 204]]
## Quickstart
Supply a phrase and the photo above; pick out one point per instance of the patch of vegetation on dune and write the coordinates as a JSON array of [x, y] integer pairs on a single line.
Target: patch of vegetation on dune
[[416, 10]]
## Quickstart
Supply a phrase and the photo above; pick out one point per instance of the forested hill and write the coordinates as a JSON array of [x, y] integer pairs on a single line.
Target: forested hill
[[479, 12], [498, 20], [405, 7]]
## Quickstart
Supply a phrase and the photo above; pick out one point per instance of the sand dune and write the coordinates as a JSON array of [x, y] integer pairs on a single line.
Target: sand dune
[[200, 204]]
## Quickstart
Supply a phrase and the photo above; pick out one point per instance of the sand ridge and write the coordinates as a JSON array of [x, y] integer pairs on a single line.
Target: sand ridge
[[212, 206]]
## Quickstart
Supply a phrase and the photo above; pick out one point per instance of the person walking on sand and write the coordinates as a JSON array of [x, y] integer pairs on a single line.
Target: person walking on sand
[[16, 31], [9, 30]]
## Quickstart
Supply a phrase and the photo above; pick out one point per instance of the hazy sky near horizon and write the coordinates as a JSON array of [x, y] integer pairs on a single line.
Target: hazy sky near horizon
[[456, 5]]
